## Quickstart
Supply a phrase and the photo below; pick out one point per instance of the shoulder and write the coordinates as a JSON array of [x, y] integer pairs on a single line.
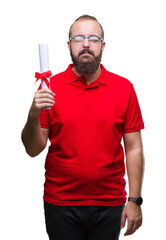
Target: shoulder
[[118, 85], [115, 79]]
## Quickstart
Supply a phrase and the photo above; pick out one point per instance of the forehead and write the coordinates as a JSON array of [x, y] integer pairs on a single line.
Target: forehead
[[86, 27]]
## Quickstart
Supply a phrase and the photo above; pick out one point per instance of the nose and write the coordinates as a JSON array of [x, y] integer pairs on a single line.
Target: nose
[[86, 43]]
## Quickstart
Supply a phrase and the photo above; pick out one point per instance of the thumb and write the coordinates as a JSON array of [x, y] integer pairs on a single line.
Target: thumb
[[123, 219]]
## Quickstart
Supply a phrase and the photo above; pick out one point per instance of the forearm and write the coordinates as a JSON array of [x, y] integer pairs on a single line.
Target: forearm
[[32, 136], [135, 168]]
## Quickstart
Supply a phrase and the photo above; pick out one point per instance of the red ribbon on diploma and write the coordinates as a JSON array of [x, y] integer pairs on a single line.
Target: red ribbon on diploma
[[43, 76]]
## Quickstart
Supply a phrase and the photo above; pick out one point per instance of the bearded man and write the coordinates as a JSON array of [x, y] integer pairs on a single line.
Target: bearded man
[[92, 110]]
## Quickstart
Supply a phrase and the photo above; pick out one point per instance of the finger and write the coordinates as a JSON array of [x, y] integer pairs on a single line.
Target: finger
[[138, 220], [51, 103], [123, 220], [40, 103], [129, 230], [44, 100], [136, 225], [45, 91], [44, 105], [132, 227], [139, 223], [44, 95]]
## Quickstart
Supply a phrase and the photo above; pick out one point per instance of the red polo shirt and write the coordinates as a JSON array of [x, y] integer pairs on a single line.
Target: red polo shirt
[[85, 161]]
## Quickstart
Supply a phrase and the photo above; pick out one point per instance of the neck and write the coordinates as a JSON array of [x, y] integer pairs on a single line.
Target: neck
[[89, 77]]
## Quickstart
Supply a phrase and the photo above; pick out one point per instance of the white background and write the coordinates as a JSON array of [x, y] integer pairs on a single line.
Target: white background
[[135, 49]]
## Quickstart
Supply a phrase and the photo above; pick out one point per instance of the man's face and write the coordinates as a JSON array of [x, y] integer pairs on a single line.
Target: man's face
[[86, 56]]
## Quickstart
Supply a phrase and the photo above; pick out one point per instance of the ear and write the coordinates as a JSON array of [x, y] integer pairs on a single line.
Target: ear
[[103, 46], [69, 45]]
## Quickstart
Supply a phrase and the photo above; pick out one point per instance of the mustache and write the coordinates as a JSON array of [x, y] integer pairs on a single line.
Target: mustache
[[86, 50]]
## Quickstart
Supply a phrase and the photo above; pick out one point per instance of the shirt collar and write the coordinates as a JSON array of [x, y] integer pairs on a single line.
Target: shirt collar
[[74, 77]]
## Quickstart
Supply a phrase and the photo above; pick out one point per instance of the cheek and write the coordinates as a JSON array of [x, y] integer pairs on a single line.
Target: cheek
[[75, 50], [97, 51]]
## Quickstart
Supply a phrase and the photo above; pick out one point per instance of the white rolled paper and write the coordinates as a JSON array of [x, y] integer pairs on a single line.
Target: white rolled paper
[[44, 62]]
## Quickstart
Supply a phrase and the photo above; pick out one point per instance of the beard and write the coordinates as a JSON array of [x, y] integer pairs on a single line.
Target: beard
[[89, 66]]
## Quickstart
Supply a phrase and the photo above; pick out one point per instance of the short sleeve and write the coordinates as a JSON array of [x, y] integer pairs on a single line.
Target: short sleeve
[[133, 118], [44, 119]]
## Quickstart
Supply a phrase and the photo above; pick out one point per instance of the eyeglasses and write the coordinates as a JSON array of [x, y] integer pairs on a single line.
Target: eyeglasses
[[91, 39]]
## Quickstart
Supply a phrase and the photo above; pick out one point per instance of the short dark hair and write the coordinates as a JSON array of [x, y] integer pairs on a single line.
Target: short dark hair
[[87, 17]]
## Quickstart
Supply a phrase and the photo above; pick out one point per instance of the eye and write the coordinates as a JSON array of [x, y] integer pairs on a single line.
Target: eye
[[79, 38], [94, 38]]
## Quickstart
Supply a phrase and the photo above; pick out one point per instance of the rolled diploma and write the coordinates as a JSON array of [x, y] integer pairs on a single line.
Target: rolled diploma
[[44, 62]]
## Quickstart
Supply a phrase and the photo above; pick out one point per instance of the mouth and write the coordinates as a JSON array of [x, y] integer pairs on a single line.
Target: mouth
[[86, 52]]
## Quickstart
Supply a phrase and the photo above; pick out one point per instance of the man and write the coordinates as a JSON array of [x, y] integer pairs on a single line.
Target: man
[[91, 111]]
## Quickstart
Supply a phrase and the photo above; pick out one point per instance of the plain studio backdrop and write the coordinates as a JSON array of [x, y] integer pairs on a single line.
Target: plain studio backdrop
[[135, 49]]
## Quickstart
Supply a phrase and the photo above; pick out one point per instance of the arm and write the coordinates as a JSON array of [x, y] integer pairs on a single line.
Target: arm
[[134, 163], [33, 136]]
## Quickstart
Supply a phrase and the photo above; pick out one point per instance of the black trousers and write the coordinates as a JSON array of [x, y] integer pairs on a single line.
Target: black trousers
[[82, 222]]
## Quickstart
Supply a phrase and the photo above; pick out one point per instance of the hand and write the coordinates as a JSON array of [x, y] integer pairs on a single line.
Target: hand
[[133, 214], [43, 98]]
